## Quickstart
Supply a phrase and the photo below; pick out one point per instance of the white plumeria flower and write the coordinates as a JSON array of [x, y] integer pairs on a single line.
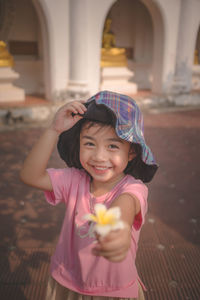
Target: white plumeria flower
[[105, 219]]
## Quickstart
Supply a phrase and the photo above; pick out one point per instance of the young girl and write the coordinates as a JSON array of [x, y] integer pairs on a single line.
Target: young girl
[[103, 145]]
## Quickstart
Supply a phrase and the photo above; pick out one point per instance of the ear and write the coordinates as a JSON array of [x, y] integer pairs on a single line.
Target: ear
[[131, 154]]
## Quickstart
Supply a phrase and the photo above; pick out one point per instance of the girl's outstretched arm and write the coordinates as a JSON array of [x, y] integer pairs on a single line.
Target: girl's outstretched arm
[[34, 171], [116, 244]]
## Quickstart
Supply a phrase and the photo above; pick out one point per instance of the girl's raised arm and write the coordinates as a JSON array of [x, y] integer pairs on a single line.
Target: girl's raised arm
[[34, 171]]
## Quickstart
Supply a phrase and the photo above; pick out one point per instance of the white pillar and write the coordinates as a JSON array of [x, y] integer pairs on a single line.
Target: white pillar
[[86, 26], [97, 13], [188, 28], [171, 11], [56, 44], [78, 64], [165, 16]]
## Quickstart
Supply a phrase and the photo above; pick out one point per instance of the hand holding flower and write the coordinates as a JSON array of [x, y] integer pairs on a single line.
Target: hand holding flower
[[113, 234]]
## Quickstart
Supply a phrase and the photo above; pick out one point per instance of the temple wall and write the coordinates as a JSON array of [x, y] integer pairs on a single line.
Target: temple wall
[[162, 36], [25, 27], [188, 33]]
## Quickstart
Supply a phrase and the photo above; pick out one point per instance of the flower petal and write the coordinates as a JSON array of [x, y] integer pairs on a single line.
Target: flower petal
[[105, 219], [102, 230], [100, 210], [116, 211], [118, 225], [111, 216], [90, 217]]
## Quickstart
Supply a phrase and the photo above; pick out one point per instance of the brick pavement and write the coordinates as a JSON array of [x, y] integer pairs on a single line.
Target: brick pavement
[[169, 253]]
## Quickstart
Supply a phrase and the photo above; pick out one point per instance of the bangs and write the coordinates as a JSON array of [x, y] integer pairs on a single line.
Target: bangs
[[89, 124]]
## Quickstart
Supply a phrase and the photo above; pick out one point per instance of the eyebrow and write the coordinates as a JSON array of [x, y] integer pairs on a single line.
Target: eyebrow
[[110, 139]]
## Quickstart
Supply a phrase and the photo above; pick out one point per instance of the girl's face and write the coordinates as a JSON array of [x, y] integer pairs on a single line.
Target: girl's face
[[103, 154]]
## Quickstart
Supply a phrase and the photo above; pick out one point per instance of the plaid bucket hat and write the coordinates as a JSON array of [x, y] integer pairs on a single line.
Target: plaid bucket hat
[[124, 113]]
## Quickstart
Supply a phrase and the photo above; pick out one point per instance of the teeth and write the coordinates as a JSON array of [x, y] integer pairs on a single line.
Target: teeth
[[101, 168]]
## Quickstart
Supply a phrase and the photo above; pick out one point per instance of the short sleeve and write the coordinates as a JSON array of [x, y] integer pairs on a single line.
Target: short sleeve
[[61, 181], [140, 191]]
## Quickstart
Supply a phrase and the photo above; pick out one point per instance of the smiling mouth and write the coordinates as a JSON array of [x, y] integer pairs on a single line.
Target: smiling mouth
[[100, 169]]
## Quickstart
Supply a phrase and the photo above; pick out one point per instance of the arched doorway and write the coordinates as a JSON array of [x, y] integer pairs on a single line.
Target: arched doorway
[[133, 30], [25, 45], [25, 39], [139, 27]]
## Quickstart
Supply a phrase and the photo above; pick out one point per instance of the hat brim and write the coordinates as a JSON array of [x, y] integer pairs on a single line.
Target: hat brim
[[69, 142]]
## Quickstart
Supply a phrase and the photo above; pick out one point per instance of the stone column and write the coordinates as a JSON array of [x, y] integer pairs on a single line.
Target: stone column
[[78, 75], [189, 24]]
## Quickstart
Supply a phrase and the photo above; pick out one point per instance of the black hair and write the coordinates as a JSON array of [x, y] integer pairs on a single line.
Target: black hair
[[69, 143], [69, 149]]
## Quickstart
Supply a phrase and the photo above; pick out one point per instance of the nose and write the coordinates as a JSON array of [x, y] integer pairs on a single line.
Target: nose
[[99, 154]]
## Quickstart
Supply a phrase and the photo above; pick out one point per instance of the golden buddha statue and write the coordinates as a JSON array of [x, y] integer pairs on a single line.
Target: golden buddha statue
[[111, 56], [196, 57], [6, 59]]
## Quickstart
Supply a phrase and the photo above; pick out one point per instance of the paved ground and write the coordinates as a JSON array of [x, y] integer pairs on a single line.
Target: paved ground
[[169, 250]]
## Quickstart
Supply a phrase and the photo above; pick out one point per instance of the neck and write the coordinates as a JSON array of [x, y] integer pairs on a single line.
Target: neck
[[100, 188]]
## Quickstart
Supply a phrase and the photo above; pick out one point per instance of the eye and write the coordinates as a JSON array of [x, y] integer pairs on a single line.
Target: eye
[[89, 144], [113, 146]]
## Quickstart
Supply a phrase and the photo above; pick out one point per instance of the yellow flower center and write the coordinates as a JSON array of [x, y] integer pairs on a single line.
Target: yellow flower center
[[105, 218]]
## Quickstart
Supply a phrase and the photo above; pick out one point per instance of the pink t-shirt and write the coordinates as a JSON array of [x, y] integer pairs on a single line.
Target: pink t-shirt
[[73, 265]]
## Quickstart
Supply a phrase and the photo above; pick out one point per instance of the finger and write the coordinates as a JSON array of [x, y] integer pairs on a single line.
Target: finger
[[72, 108], [67, 109], [115, 244], [118, 258], [116, 233], [77, 118], [80, 108], [113, 252], [116, 238], [75, 111], [114, 256]]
